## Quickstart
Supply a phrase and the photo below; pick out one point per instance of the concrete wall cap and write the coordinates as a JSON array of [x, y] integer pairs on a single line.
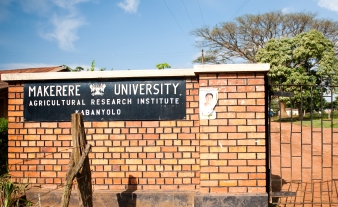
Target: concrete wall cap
[[258, 67], [137, 73]]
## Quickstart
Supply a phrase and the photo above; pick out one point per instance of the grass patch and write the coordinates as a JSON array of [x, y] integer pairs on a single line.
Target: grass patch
[[317, 123]]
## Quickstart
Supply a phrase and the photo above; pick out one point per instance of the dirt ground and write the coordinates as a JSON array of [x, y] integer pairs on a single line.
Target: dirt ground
[[304, 160]]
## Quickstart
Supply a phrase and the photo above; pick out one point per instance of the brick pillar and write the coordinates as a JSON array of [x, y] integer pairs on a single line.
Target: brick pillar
[[232, 146]]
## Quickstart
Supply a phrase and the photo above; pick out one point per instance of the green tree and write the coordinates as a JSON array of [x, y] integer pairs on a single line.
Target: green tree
[[239, 40], [161, 66], [77, 69], [3, 145], [306, 59], [92, 67]]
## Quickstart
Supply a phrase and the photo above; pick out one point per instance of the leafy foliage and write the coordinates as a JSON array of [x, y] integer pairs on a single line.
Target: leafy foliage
[[309, 60], [79, 68], [161, 66], [12, 194], [242, 38], [3, 145]]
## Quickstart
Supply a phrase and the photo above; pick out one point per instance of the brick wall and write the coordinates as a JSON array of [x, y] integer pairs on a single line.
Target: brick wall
[[232, 147], [226, 154]]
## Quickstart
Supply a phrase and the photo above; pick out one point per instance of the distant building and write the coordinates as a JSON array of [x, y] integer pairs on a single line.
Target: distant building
[[292, 111]]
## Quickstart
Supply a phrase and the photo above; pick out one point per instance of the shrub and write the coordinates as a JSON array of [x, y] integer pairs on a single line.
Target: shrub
[[3, 127], [3, 145], [12, 194]]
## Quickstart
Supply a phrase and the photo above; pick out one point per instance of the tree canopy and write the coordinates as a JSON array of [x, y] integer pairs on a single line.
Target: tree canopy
[[308, 59], [242, 38], [161, 66], [79, 68]]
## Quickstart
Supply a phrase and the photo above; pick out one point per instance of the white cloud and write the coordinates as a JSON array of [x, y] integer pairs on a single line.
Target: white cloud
[[286, 10], [67, 3], [36, 6], [63, 25], [329, 4], [4, 13], [65, 31], [129, 6]]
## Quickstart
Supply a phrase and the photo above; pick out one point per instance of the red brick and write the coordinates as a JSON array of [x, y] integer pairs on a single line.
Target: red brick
[[227, 75], [237, 108], [133, 124], [48, 149], [256, 148], [237, 121], [250, 88], [15, 113], [15, 89], [238, 176], [151, 174], [208, 128], [150, 124], [237, 190], [134, 136], [115, 124], [48, 174], [168, 174], [255, 95], [255, 81], [168, 149], [237, 82], [225, 89], [168, 136], [246, 102], [256, 189], [185, 123], [227, 128], [168, 123], [247, 183], [218, 82], [99, 124], [246, 169], [15, 125], [247, 129], [218, 176], [209, 183], [218, 190], [15, 101], [186, 136]]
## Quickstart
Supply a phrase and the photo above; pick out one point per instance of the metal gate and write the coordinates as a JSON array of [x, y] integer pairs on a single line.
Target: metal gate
[[303, 145]]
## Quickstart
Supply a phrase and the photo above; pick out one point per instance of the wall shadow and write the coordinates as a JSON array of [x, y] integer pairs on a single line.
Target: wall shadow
[[128, 198], [276, 186]]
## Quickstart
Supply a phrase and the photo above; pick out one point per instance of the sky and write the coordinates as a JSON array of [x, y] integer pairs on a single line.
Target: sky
[[122, 34]]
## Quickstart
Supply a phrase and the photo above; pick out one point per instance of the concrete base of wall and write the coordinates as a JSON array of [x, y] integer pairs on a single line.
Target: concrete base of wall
[[227, 200], [153, 199]]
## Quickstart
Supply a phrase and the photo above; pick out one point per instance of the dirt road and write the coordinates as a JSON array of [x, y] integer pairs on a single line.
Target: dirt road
[[305, 160]]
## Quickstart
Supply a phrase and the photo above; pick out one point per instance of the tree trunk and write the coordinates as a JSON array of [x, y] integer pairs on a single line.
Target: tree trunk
[[71, 173], [83, 178], [78, 166], [300, 112], [282, 109]]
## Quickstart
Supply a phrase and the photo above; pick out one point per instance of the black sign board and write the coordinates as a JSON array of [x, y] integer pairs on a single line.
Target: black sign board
[[137, 99]]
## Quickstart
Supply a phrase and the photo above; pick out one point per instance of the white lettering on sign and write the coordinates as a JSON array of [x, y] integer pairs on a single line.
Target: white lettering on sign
[[146, 89], [108, 101], [99, 112], [53, 90], [158, 100], [52, 102]]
